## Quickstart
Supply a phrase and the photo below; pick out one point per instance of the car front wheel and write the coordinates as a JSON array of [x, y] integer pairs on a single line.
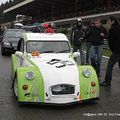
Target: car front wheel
[[15, 88]]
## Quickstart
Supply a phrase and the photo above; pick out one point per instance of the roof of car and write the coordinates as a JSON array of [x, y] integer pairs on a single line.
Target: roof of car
[[46, 36]]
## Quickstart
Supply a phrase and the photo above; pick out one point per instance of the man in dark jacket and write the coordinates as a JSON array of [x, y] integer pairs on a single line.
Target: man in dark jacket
[[98, 34], [77, 39], [114, 44]]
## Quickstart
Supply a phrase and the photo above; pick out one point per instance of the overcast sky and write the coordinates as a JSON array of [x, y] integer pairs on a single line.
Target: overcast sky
[[3, 1]]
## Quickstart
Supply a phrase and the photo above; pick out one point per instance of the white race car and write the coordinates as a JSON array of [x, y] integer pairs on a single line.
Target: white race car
[[44, 71]]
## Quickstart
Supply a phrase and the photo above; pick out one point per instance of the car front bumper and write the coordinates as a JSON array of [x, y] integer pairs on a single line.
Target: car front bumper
[[59, 104], [9, 49]]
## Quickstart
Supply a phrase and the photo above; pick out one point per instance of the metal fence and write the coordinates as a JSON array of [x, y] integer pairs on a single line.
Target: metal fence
[[105, 45]]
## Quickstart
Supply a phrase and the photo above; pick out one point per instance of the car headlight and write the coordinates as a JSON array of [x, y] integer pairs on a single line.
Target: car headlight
[[87, 72], [6, 43], [30, 75]]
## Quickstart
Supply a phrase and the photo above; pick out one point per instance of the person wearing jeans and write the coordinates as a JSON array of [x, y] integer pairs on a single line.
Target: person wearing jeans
[[98, 34], [96, 57]]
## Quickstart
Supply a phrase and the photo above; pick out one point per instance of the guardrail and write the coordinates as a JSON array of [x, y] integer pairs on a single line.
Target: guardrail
[[105, 45]]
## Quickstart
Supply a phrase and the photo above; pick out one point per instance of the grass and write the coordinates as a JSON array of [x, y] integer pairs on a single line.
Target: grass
[[106, 52]]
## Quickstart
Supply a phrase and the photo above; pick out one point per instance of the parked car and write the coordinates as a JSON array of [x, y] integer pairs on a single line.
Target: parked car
[[10, 40], [44, 71]]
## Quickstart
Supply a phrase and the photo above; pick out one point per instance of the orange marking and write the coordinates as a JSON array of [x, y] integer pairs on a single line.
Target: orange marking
[[36, 53]]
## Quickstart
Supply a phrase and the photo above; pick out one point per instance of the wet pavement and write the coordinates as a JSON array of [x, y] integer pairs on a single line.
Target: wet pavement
[[107, 108]]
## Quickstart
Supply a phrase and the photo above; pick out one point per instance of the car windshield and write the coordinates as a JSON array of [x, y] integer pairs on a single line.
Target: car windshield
[[14, 34], [48, 46]]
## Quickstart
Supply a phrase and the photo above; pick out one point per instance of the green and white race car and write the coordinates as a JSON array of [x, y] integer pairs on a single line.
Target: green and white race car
[[44, 71]]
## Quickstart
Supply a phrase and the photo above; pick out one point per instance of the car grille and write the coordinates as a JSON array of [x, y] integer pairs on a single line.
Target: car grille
[[63, 89]]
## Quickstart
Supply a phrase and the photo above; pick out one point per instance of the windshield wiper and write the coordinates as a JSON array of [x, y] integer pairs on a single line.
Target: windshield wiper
[[64, 51], [48, 51]]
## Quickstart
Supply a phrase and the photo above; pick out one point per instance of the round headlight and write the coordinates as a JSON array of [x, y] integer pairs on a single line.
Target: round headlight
[[6, 43], [30, 75], [87, 72]]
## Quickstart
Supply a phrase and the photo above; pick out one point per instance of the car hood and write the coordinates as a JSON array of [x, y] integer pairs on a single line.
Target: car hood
[[57, 69], [12, 39]]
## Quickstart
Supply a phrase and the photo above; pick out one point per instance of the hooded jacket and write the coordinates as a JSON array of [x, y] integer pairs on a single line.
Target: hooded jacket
[[76, 35]]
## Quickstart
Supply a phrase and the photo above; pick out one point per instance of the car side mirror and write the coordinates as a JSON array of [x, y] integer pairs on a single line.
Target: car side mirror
[[76, 54], [19, 54]]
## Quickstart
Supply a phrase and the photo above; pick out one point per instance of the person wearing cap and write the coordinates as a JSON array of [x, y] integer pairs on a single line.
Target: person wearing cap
[[114, 44], [77, 35]]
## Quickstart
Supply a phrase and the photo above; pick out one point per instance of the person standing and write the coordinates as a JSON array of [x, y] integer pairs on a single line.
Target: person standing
[[77, 35], [97, 39], [114, 44], [88, 39]]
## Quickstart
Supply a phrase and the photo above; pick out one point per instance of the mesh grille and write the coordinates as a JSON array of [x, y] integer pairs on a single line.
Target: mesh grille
[[63, 89]]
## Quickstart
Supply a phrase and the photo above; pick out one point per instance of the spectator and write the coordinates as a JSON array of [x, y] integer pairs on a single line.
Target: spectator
[[77, 39], [114, 44], [88, 38], [97, 36], [49, 29]]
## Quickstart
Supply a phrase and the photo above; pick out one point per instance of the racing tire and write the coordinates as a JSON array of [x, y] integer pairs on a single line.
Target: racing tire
[[15, 88]]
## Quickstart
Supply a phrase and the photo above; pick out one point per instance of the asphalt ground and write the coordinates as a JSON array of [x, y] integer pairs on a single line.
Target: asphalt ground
[[107, 108]]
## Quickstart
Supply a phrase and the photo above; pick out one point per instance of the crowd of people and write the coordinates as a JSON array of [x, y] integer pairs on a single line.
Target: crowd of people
[[94, 37]]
